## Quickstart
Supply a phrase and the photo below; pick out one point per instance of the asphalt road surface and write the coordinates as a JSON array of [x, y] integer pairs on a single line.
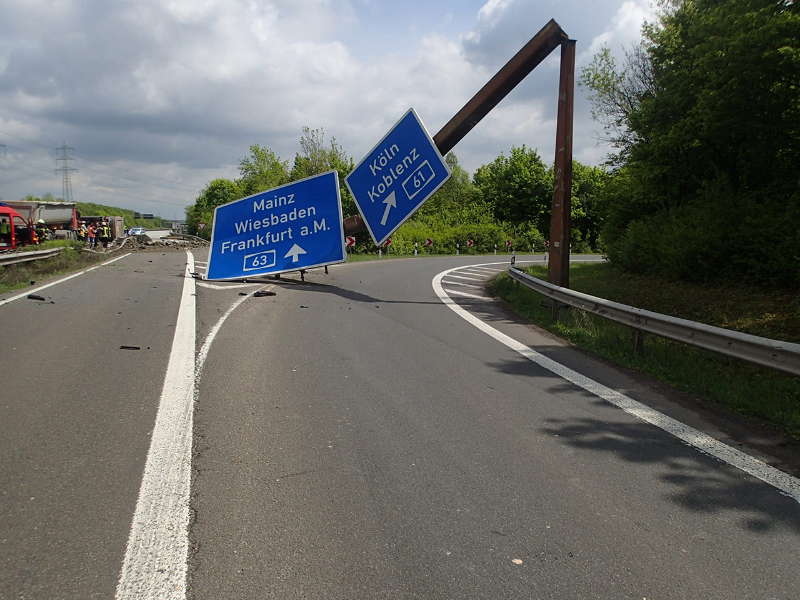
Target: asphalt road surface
[[352, 436]]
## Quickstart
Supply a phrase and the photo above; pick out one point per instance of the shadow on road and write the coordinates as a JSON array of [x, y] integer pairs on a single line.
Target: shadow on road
[[327, 288], [699, 483]]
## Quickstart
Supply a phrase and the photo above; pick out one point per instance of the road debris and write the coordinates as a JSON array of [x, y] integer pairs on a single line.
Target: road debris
[[130, 347], [261, 293], [36, 297]]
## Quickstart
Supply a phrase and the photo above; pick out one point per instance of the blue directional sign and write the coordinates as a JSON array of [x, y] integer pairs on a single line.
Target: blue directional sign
[[393, 180], [288, 228]]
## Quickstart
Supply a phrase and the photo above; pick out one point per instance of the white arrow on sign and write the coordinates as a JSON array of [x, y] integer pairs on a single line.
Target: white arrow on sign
[[295, 251], [390, 202]]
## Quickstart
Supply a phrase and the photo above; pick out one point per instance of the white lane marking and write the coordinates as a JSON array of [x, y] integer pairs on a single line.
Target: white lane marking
[[154, 567], [203, 353], [213, 286], [694, 437], [62, 280], [465, 278], [491, 271], [462, 284], [467, 295], [473, 272]]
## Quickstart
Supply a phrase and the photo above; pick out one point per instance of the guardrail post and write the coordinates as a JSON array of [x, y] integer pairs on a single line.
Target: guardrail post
[[638, 341]]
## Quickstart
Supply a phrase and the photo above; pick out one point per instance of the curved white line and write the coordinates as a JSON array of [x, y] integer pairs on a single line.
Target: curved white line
[[203, 352], [703, 442]]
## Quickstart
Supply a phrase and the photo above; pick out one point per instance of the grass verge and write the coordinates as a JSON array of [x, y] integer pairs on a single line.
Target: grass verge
[[741, 387], [13, 277]]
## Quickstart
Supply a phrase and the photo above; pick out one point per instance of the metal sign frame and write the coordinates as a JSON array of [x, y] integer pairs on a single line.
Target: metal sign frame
[[549, 37]]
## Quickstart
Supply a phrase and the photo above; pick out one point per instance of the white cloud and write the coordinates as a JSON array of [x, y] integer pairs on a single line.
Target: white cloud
[[160, 97], [623, 30]]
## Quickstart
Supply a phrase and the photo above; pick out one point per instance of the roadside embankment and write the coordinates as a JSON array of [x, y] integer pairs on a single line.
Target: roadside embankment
[[711, 378], [21, 275]]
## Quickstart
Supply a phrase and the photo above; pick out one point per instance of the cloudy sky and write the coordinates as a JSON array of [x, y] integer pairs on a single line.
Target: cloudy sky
[[157, 97]]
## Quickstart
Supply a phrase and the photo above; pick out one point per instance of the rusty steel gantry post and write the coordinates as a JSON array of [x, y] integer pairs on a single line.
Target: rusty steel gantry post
[[558, 263]]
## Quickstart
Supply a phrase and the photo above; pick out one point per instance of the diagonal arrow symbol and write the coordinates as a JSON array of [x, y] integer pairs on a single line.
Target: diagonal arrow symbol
[[390, 202], [295, 251]]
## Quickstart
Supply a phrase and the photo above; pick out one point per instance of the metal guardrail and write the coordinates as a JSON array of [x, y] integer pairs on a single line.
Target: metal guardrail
[[784, 356], [14, 258]]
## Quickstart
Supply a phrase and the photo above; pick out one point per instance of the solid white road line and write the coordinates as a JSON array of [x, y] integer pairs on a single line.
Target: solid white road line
[[706, 444], [62, 280], [154, 567]]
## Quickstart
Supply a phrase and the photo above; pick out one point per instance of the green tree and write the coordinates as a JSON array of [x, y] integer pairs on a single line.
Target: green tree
[[457, 201], [261, 170], [586, 206], [519, 187], [216, 193], [708, 118], [317, 157]]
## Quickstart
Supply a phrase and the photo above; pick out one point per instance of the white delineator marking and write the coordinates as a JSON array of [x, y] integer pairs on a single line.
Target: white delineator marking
[[466, 278], [154, 567], [467, 295], [703, 442], [475, 272], [462, 284], [62, 280]]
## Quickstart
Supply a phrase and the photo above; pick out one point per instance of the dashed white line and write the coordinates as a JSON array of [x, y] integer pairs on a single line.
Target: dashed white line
[[703, 442]]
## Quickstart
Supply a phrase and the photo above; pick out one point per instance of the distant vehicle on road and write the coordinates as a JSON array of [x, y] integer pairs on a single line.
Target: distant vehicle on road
[[137, 231]]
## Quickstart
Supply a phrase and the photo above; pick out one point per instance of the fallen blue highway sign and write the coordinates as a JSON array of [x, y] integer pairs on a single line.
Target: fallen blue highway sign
[[393, 180], [288, 228]]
